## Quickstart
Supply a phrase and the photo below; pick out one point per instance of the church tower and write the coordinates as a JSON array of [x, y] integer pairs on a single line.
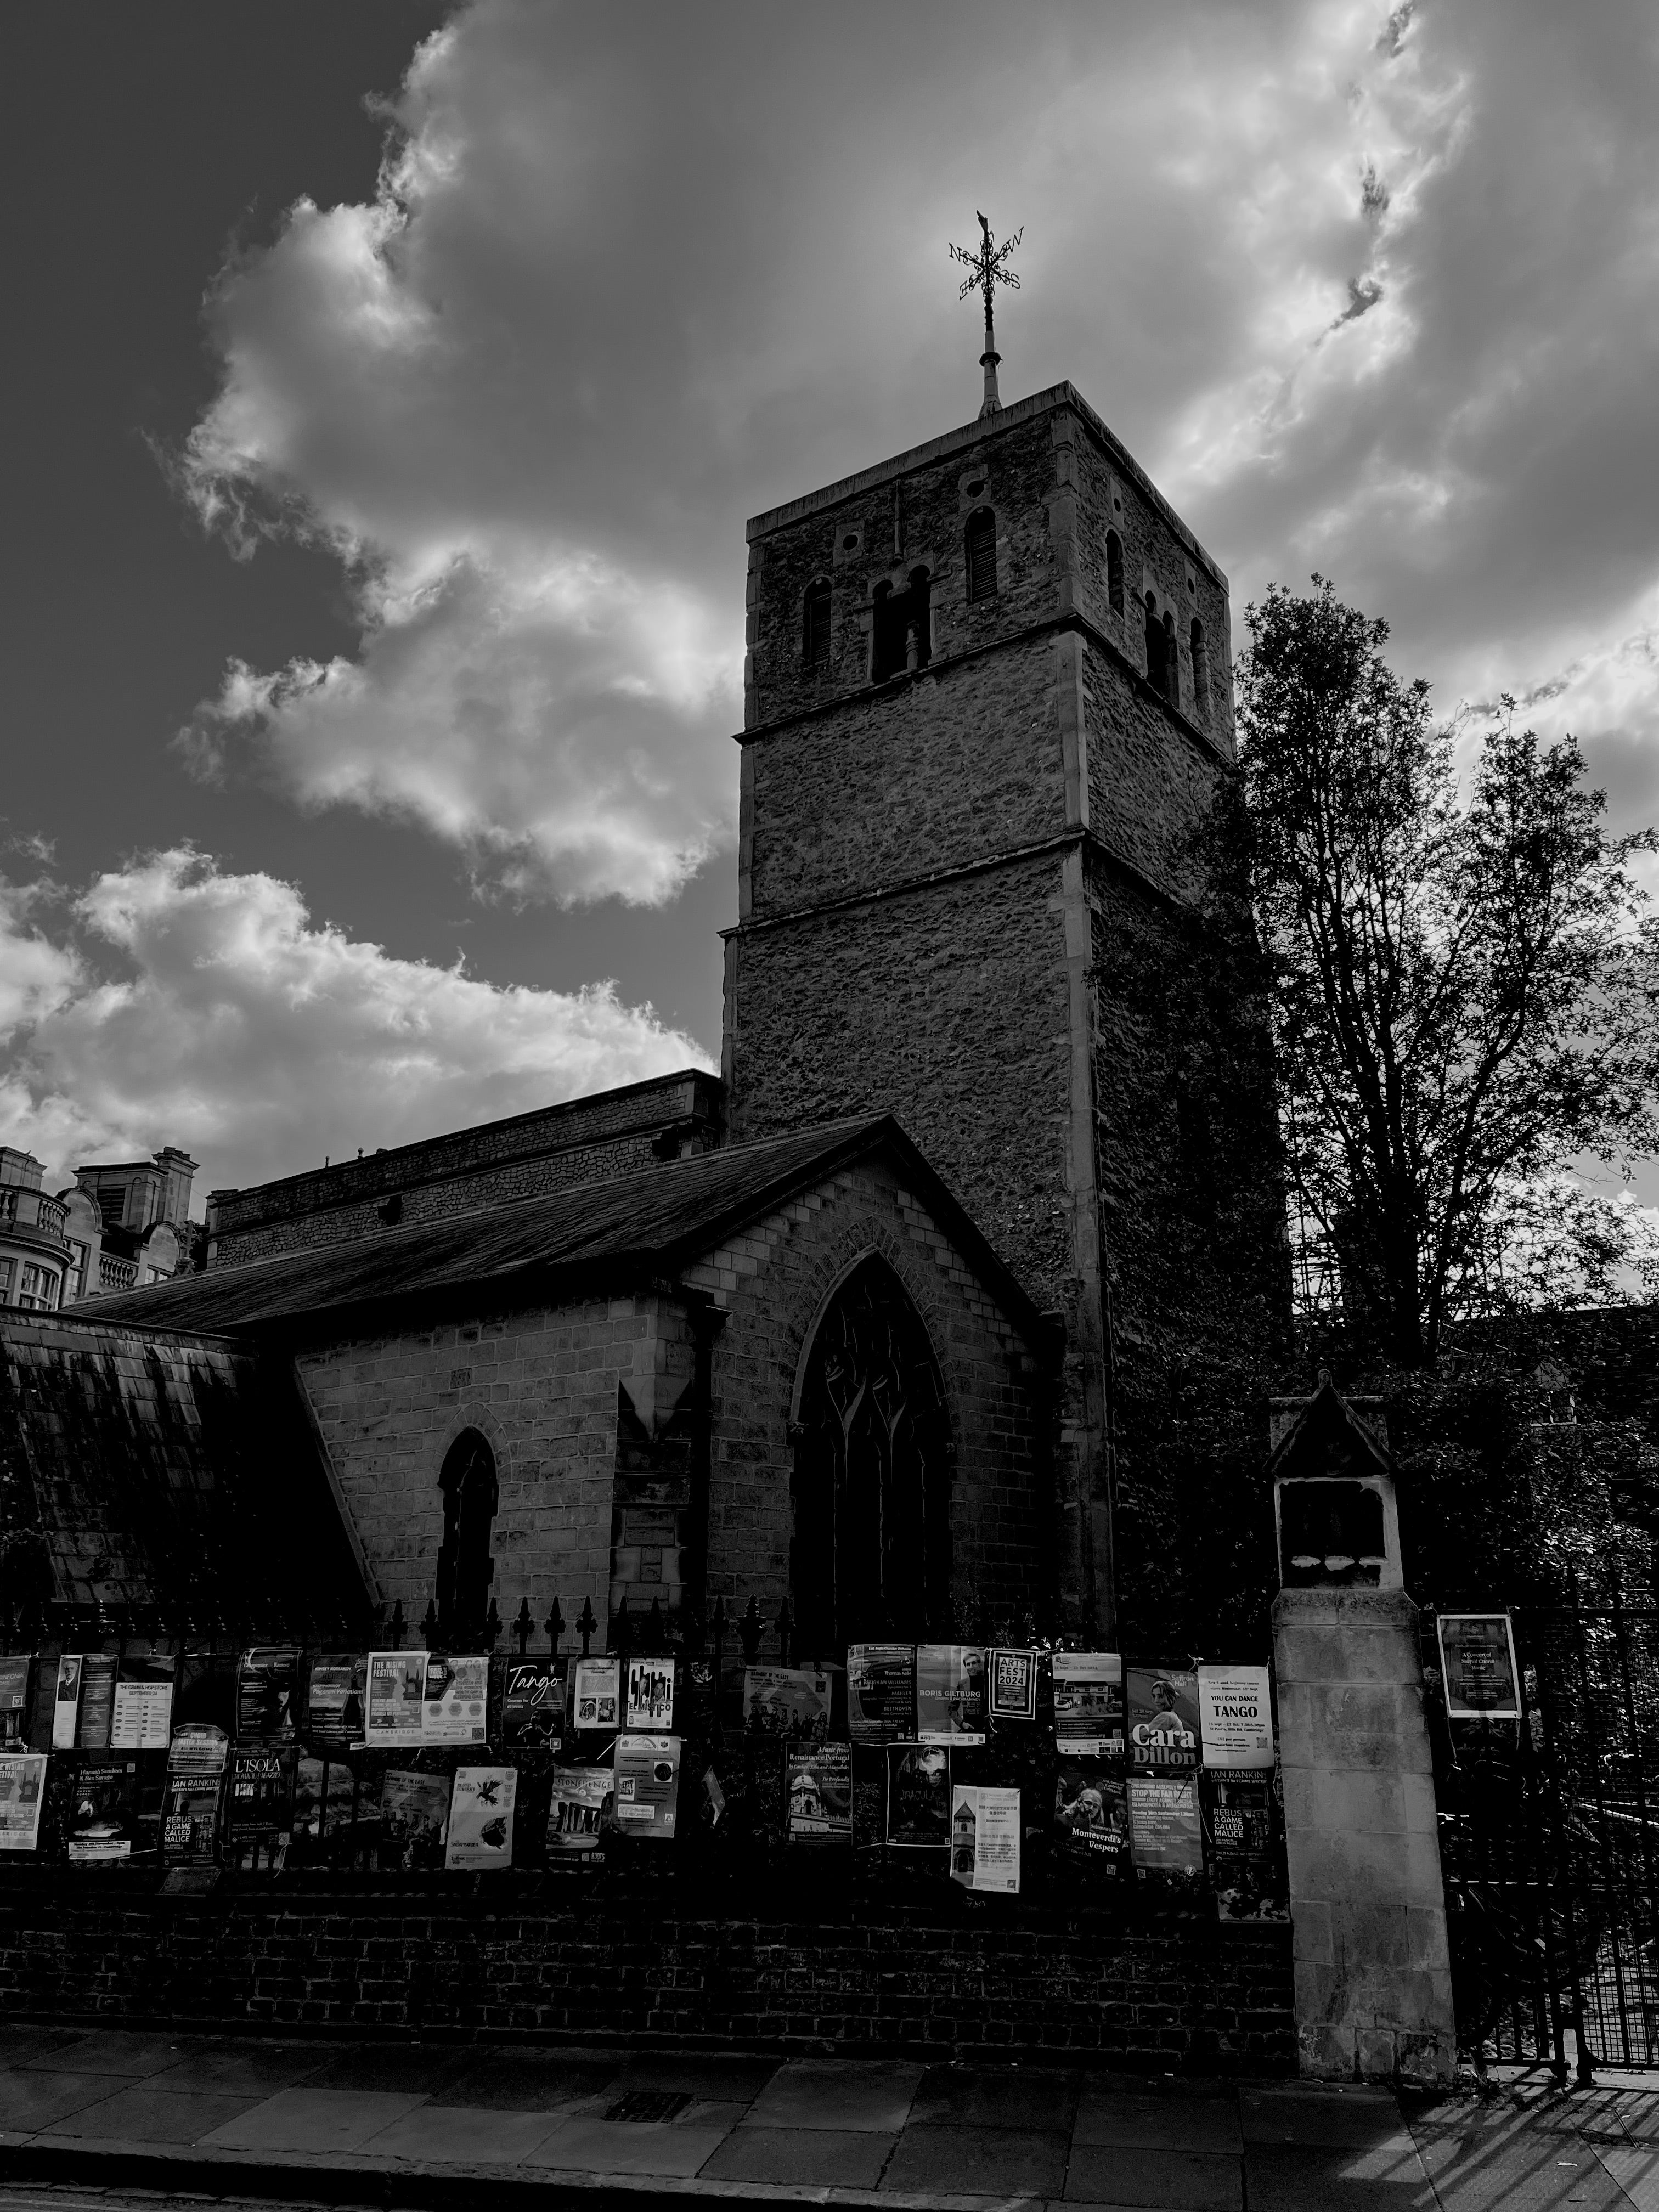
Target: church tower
[[987, 705]]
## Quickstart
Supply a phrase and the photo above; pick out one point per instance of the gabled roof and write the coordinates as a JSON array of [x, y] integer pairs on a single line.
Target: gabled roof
[[1330, 1436], [647, 1224]]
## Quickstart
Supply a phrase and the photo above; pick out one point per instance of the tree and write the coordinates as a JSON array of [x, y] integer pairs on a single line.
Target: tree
[[1465, 986]]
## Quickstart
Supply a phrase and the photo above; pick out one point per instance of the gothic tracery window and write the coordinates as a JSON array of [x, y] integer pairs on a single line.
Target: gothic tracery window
[[872, 1547]]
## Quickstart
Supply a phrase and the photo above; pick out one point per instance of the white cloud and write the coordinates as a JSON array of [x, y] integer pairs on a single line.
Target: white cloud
[[174, 1004]]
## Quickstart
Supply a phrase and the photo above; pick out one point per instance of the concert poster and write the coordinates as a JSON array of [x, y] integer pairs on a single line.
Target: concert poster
[[1092, 1818], [881, 1692], [950, 1694], [1161, 1715], [578, 1813], [267, 1682], [1013, 1685], [818, 1793], [455, 1698], [918, 1797], [1089, 1705]]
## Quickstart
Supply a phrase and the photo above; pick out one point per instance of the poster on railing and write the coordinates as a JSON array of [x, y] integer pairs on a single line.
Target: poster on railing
[[324, 1798], [455, 1698], [13, 1698], [480, 1836], [1477, 1661], [1162, 1718], [1089, 1705], [881, 1692], [647, 1780], [985, 1838], [1242, 1853], [67, 1705], [260, 1802], [649, 1704], [1165, 1837], [950, 1696], [198, 1747], [336, 1683], [918, 1797], [414, 1817], [190, 1818], [818, 1793], [793, 1702], [578, 1813], [1013, 1685], [392, 1708], [22, 1787], [141, 1715], [596, 1695], [1092, 1818], [103, 1813], [1235, 1716], [97, 1702], [266, 1683], [532, 1703]]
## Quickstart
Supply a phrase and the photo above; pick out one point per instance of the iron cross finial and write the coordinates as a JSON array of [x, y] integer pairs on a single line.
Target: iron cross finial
[[990, 268]]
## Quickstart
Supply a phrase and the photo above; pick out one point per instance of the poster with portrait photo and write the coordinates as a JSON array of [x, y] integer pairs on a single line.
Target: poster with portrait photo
[[1092, 1818], [918, 1797], [267, 1683], [648, 1703], [881, 1692], [793, 1702], [1162, 1720], [66, 1706], [950, 1693]]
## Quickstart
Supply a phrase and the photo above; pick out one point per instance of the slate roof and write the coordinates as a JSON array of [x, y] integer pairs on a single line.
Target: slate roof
[[646, 1224]]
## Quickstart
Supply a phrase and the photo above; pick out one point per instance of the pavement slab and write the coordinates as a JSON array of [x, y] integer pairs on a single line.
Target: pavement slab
[[312, 2121], [654, 2147], [400, 2070], [529, 2082], [468, 2134], [1296, 2178], [820, 2158], [839, 2093], [1033, 2098], [1491, 2159], [242, 2069], [140, 2112], [31, 2101], [992, 2161], [1336, 2118], [724, 2079], [1157, 2122], [113, 2050], [1180, 2181]]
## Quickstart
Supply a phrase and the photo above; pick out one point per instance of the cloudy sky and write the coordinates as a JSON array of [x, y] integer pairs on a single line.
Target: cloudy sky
[[389, 384]]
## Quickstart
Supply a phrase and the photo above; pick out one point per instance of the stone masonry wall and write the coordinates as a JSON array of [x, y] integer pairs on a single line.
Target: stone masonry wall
[[773, 1283]]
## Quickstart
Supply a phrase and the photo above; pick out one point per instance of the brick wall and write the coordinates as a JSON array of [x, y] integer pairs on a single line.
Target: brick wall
[[584, 1964], [613, 1132]]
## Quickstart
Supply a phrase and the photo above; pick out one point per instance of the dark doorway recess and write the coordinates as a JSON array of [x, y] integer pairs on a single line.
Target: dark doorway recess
[[902, 635], [872, 1547], [466, 1569]]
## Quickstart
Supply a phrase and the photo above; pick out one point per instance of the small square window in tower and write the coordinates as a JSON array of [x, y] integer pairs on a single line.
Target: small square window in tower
[[815, 624], [980, 548], [901, 632]]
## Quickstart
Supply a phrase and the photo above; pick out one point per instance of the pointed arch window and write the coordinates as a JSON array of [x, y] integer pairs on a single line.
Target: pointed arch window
[[1171, 663], [1155, 675], [871, 1553], [1200, 672], [1115, 572], [815, 624], [902, 627], [465, 1568], [980, 549]]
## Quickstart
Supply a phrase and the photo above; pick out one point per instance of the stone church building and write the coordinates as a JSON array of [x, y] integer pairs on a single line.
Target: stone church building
[[854, 1322]]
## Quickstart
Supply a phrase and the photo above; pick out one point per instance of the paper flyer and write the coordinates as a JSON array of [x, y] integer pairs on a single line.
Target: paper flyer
[[480, 1834], [949, 1693], [1235, 1716], [818, 1793], [1165, 1837], [532, 1703], [793, 1702], [1089, 1705], [14, 1697], [414, 1815], [1241, 1848], [647, 1780], [141, 1717], [1162, 1718], [324, 1792], [190, 1818], [650, 1701], [455, 1698], [577, 1813], [391, 1709], [1477, 1661], [1092, 1818], [102, 1817], [266, 1681], [918, 1797], [258, 1805], [22, 1787], [335, 1685], [881, 1692], [1013, 1685], [985, 1838], [66, 1708], [97, 1702], [198, 1747], [596, 1693]]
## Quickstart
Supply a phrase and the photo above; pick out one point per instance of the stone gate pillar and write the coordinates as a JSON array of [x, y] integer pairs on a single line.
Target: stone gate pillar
[[1367, 1907]]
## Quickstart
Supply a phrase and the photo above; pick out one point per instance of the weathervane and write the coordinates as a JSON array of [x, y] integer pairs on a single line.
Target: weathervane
[[990, 268]]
